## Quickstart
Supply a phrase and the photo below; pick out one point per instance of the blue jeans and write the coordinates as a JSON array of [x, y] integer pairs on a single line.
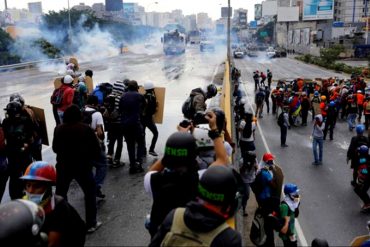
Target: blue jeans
[[351, 120], [100, 168], [319, 142]]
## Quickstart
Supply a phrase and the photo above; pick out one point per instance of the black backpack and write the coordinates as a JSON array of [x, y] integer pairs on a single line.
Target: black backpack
[[257, 233], [187, 108], [87, 117], [151, 104], [280, 120]]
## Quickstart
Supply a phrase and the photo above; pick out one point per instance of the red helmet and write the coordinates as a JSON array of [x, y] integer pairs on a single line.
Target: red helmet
[[268, 157], [40, 171]]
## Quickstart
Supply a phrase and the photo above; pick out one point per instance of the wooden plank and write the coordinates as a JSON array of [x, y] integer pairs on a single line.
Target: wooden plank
[[278, 179], [160, 93], [40, 117]]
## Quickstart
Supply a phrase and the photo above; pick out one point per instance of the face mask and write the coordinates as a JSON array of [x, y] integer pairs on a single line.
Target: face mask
[[36, 198]]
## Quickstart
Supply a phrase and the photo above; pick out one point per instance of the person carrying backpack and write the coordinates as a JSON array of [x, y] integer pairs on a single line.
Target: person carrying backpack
[[269, 78], [366, 107], [283, 122], [64, 98], [331, 120], [202, 222], [93, 118], [267, 95], [148, 113], [289, 211], [352, 154], [363, 180], [63, 225], [80, 95], [318, 139], [259, 99]]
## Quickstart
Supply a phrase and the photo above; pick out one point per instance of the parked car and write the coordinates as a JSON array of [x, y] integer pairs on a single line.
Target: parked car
[[280, 53], [270, 52], [238, 53]]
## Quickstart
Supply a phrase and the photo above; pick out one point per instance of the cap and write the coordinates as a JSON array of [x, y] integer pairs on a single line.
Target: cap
[[67, 79]]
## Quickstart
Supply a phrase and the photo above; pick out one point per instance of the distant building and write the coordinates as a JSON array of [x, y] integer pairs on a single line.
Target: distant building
[[203, 21], [113, 5], [351, 11], [190, 22], [35, 7], [240, 18], [81, 7], [257, 11]]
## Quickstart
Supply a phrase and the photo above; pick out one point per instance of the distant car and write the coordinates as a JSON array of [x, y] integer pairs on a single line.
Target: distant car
[[238, 54], [207, 46], [280, 53], [270, 52]]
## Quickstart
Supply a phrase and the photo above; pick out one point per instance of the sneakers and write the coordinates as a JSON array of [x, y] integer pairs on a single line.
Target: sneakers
[[109, 159], [284, 145], [315, 163], [117, 163], [137, 168], [153, 153], [94, 228], [365, 208]]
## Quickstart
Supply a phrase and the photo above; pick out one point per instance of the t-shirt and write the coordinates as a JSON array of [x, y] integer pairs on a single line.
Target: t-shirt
[[241, 126], [284, 211], [97, 118]]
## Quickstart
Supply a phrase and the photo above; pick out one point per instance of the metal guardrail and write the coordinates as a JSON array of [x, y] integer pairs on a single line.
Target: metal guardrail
[[29, 64]]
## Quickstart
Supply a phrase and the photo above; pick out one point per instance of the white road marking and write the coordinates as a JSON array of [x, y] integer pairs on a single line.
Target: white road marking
[[301, 237]]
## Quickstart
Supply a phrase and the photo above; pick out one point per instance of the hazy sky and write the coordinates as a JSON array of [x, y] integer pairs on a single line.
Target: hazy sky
[[212, 7]]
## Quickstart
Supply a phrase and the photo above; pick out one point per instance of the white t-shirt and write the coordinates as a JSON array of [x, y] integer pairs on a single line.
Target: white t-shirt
[[97, 118], [241, 126]]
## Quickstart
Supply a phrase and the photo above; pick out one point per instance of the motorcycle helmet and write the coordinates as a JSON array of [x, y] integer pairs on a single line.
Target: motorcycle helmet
[[290, 189], [218, 186], [360, 128], [323, 97], [17, 97], [211, 91], [316, 94], [21, 222], [180, 150], [363, 149], [13, 109], [40, 171], [202, 139], [332, 104]]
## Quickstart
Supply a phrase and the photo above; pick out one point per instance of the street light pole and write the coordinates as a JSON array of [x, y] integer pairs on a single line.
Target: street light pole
[[70, 28], [228, 30]]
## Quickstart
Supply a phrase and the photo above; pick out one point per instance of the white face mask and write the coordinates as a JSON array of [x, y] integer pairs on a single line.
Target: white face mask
[[297, 200], [36, 198]]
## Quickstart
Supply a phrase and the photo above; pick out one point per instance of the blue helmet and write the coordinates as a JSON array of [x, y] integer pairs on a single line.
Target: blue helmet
[[360, 128], [363, 149], [290, 189], [332, 103], [316, 93]]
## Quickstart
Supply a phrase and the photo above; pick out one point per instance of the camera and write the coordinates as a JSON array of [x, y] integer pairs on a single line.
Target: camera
[[200, 118], [185, 123]]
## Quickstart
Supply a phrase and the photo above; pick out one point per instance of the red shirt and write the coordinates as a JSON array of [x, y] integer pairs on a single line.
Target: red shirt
[[67, 99]]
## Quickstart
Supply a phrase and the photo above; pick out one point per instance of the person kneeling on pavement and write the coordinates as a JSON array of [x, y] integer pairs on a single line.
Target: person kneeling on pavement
[[203, 221], [173, 180]]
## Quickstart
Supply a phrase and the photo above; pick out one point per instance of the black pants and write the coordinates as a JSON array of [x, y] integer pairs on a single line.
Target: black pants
[[329, 125], [367, 120], [115, 134], [17, 164], [288, 243], [55, 114], [269, 80], [85, 179], [304, 116], [267, 105], [149, 123], [273, 106], [256, 84], [360, 110], [134, 136], [361, 191], [283, 134], [4, 175]]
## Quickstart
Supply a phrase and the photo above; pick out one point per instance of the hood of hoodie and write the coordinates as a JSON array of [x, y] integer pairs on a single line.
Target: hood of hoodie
[[197, 91], [200, 219], [319, 116]]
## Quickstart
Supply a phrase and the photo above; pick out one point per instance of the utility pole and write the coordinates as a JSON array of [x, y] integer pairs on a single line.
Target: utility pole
[[6, 4], [228, 30]]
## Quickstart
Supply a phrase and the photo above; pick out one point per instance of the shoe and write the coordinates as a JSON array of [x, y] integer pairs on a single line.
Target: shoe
[[260, 116], [117, 163], [365, 208], [153, 153], [100, 194], [319, 163], [284, 145], [353, 183], [109, 159], [94, 228], [315, 163], [135, 169]]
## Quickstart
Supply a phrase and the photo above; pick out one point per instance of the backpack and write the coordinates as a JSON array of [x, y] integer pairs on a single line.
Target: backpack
[[257, 185], [247, 132], [280, 120], [87, 117], [362, 174], [102, 91], [260, 97], [151, 104], [257, 233], [181, 235], [57, 97], [187, 108]]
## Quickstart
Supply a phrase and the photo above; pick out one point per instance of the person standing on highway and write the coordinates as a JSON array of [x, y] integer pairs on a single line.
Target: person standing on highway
[[256, 78], [366, 107], [259, 100], [315, 104], [202, 222], [263, 79], [305, 107], [67, 98], [269, 78], [148, 115], [362, 182], [267, 95], [76, 147], [360, 101], [18, 132], [352, 155], [351, 112], [63, 225], [284, 126], [318, 139], [274, 95], [331, 120], [131, 107]]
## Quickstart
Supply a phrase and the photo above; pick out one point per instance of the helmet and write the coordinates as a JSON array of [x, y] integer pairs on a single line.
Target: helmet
[[180, 150], [363, 149], [220, 118], [332, 103], [316, 94], [359, 91], [211, 91], [81, 78], [290, 189], [318, 242], [202, 139], [360, 128], [69, 72], [148, 85], [21, 222], [281, 90], [218, 186], [13, 108], [40, 171], [323, 97], [67, 79], [268, 157], [17, 97]]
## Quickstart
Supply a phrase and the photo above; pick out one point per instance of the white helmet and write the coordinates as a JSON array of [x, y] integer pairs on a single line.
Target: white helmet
[[68, 79], [202, 139], [148, 85]]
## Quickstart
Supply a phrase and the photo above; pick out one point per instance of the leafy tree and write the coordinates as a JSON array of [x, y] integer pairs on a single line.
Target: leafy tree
[[5, 56], [47, 48], [330, 55]]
